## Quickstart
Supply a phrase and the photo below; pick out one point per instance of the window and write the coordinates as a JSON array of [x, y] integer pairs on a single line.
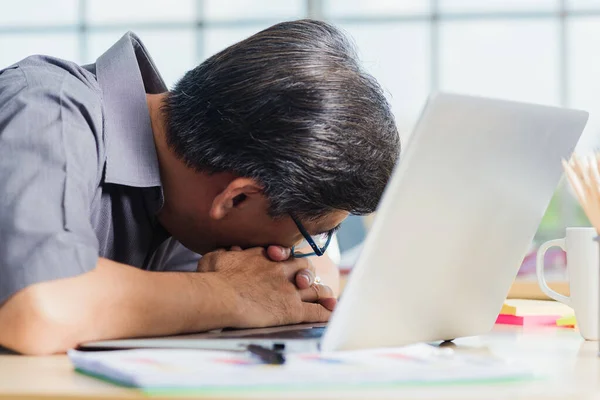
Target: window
[[32, 14], [360, 9], [241, 10], [14, 47], [501, 58], [492, 6], [112, 12], [404, 71]]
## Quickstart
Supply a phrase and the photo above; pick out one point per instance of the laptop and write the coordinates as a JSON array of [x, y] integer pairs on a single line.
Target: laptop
[[450, 233]]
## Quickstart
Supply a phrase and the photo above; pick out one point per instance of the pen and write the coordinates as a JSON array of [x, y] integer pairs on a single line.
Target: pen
[[266, 355]]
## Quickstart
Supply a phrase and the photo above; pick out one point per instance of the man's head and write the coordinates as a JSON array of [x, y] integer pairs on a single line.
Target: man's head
[[282, 123]]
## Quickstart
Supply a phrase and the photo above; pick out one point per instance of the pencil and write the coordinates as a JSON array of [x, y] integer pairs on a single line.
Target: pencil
[[584, 176]]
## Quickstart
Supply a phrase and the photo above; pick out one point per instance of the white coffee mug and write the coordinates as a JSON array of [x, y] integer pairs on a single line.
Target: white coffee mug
[[583, 265]]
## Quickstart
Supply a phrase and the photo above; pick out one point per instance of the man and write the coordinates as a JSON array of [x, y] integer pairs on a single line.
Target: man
[[111, 187]]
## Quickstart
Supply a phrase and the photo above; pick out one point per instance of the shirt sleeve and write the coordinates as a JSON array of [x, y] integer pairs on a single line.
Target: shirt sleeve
[[180, 258], [48, 169]]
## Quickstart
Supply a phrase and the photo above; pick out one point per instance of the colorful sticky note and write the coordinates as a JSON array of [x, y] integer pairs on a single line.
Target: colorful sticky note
[[568, 321], [508, 310], [528, 320]]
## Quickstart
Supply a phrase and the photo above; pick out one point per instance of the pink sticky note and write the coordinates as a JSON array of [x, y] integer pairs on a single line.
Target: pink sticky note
[[528, 320]]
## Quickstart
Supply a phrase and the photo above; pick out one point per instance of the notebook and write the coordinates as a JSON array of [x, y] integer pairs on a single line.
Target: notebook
[[172, 370]]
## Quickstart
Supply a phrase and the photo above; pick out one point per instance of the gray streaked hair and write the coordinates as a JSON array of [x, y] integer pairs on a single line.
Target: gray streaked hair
[[292, 108]]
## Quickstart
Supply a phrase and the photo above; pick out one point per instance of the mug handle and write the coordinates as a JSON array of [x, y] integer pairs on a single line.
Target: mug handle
[[539, 270]]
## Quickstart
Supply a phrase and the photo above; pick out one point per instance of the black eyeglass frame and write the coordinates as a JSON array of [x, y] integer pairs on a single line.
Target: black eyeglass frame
[[317, 251]]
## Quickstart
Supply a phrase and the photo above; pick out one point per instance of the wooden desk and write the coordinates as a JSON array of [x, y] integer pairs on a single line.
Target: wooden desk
[[530, 289], [569, 365]]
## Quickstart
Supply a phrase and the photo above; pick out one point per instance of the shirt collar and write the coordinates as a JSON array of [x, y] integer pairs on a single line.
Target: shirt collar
[[125, 74]]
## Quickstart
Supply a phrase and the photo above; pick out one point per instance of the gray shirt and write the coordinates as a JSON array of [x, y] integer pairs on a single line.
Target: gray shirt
[[79, 174]]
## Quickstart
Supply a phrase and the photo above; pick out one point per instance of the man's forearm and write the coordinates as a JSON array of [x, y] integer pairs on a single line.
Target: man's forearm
[[112, 301]]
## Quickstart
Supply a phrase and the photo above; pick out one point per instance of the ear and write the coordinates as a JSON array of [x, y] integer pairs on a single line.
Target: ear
[[234, 195]]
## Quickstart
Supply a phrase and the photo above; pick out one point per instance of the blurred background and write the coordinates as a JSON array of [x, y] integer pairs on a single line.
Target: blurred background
[[544, 51]]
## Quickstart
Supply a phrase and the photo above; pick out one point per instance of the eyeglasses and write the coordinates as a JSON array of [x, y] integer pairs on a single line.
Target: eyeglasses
[[318, 243]]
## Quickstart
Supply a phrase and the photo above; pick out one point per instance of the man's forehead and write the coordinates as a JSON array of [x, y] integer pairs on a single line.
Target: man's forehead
[[329, 221]]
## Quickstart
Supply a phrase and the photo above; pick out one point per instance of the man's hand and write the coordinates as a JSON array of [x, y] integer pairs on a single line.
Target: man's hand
[[263, 292], [318, 266], [304, 278]]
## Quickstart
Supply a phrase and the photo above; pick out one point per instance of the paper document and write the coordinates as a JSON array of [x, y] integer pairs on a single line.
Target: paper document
[[164, 369]]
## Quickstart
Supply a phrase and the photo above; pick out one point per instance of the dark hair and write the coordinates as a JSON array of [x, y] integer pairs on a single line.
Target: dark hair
[[290, 107]]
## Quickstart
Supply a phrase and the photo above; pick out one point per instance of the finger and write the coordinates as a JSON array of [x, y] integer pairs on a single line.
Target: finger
[[278, 253], [294, 265], [315, 313], [315, 293], [304, 278], [311, 274], [328, 303], [204, 264], [256, 251], [235, 248]]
